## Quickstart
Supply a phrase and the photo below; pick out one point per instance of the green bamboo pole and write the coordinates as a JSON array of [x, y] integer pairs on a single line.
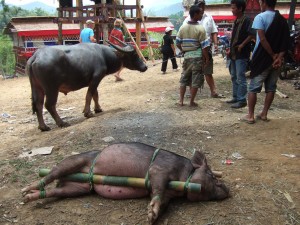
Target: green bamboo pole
[[123, 181]]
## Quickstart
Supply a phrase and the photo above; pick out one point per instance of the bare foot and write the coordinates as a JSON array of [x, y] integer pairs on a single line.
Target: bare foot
[[193, 104], [118, 78], [180, 104]]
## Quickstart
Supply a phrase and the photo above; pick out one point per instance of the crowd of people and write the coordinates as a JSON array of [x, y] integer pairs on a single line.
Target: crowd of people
[[270, 32], [196, 38]]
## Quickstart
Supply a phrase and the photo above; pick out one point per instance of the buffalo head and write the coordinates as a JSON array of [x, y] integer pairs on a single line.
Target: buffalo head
[[130, 58]]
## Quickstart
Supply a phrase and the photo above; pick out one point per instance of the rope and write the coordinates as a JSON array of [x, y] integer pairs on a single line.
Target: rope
[[91, 173], [186, 184], [42, 194], [41, 185], [147, 183]]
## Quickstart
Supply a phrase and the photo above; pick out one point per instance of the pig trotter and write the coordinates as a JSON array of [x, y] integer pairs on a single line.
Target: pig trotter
[[153, 210]]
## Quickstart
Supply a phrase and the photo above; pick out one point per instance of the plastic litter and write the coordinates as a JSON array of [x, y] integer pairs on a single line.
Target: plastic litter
[[227, 162]]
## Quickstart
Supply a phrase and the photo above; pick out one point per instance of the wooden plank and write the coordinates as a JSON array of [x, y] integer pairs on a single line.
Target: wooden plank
[[146, 31], [132, 39]]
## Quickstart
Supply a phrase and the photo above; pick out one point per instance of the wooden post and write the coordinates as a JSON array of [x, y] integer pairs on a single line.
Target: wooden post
[[138, 26], [104, 25], [79, 13], [146, 32], [132, 39], [59, 24]]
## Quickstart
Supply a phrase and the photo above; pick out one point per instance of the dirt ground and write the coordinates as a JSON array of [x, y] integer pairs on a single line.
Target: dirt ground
[[264, 184]]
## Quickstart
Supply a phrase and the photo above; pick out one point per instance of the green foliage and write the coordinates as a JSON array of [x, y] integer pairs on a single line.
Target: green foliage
[[177, 20], [8, 12], [7, 57], [154, 36]]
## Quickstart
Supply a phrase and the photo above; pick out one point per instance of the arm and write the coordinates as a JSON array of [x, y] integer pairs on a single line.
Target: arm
[[265, 44], [205, 55], [93, 39], [246, 41]]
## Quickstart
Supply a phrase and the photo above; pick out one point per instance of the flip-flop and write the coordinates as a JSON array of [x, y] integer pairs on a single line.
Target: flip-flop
[[218, 96], [246, 120], [258, 117]]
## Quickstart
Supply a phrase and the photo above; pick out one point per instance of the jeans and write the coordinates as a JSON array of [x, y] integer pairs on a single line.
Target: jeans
[[238, 69]]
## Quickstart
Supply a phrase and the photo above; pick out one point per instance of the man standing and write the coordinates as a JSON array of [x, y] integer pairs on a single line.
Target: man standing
[[271, 44], [192, 41], [87, 34], [240, 49], [212, 34]]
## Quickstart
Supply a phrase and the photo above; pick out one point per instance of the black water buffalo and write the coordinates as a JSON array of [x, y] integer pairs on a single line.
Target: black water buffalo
[[69, 68]]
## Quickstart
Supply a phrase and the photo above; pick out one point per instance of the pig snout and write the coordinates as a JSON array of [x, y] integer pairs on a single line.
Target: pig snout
[[221, 191]]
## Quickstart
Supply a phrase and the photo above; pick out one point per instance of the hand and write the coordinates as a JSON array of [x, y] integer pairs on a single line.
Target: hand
[[277, 62]]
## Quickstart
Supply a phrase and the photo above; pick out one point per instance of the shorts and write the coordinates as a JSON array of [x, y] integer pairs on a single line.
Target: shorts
[[209, 69], [269, 78], [192, 73]]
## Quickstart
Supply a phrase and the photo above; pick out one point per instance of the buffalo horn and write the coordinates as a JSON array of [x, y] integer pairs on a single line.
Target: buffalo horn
[[126, 49]]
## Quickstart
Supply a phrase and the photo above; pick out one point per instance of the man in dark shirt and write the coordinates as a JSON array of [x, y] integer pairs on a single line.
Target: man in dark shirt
[[240, 49]]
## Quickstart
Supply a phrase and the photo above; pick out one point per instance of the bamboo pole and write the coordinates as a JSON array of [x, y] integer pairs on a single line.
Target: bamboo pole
[[124, 181], [146, 31], [128, 32]]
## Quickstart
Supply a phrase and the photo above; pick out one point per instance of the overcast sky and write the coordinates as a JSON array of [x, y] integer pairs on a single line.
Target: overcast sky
[[85, 2]]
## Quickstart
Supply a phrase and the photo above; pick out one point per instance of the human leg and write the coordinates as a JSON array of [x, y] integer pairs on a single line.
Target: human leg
[[197, 80], [174, 62], [117, 76], [208, 71], [232, 70], [270, 87], [185, 79], [164, 63], [241, 66]]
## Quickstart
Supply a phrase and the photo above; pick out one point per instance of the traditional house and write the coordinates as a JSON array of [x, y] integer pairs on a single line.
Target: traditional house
[[31, 33]]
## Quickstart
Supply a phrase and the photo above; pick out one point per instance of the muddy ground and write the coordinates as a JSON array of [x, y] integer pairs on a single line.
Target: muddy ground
[[264, 184]]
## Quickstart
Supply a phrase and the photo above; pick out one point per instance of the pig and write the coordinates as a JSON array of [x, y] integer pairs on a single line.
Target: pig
[[133, 160]]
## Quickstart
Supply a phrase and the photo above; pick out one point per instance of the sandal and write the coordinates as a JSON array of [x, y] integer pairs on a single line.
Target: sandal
[[246, 120], [217, 96], [258, 117]]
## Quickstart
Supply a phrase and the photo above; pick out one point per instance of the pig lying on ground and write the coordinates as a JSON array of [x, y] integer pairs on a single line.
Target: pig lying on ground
[[133, 160]]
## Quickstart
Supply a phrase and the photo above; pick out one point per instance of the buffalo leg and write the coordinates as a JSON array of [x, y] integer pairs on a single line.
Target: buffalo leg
[[50, 104], [89, 95], [38, 102], [96, 101]]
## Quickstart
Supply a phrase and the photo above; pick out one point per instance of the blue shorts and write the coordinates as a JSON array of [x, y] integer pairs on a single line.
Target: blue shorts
[[269, 78]]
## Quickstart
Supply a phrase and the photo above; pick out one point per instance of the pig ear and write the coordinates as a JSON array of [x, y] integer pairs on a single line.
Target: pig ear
[[198, 159]]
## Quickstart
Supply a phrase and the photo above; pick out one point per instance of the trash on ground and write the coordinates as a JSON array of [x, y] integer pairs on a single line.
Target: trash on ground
[[227, 162], [70, 108], [37, 151], [237, 155], [108, 139], [288, 197], [289, 155]]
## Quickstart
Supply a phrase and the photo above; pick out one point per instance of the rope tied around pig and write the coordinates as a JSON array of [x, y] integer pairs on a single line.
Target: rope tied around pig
[[91, 173], [147, 182]]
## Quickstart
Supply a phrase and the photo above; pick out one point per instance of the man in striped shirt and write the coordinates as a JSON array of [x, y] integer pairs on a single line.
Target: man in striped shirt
[[193, 42]]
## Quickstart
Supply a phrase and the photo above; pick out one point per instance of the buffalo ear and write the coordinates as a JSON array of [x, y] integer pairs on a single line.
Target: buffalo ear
[[198, 159]]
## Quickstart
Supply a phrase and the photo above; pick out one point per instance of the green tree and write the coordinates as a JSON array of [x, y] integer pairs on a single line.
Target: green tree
[[177, 20], [7, 58]]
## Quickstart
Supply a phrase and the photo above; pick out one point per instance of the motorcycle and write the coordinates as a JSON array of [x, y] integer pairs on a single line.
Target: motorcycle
[[223, 45], [292, 59]]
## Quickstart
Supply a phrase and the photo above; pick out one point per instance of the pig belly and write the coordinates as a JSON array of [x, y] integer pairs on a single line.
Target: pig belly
[[116, 192]]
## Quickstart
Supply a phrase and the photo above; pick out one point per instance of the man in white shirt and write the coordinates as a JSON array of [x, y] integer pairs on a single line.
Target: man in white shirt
[[212, 33]]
